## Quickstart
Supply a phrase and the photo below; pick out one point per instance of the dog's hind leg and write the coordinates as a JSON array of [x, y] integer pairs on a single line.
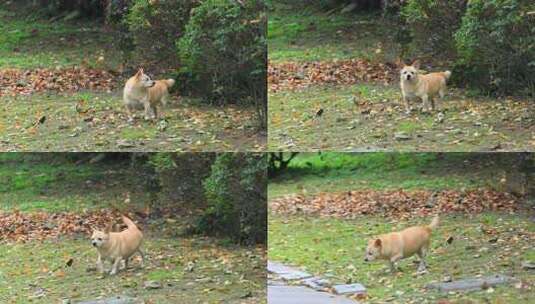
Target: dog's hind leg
[[422, 267], [142, 257], [115, 265]]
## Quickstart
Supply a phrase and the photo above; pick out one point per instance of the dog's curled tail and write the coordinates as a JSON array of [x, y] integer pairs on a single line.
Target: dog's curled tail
[[447, 74], [170, 82], [434, 222], [129, 222]]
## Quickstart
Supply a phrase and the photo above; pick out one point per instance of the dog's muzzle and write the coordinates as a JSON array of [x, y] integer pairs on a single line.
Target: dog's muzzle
[[94, 244], [408, 77]]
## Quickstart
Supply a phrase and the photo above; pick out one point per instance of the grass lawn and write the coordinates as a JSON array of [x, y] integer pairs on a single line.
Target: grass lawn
[[190, 271], [62, 186], [368, 117], [29, 42], [312, 173], [104, 126], [334, 249], [303, 33]]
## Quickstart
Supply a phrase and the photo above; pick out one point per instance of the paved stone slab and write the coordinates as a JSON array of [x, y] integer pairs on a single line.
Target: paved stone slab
[[528, 265], [301, 295], [472, 284], [349, 288], [316, 283], [286, 272], [114, 300]]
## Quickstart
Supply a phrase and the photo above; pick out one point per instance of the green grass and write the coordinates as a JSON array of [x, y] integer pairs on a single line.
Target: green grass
[[29, 41], [60, 185], [217, 274], [190, 126], [367, 117], [334, 249], [299, 32], [333, 172]]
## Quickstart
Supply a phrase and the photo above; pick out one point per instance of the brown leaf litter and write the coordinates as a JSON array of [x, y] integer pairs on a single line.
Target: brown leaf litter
[[294, 75], [24, 82], [398, 203]]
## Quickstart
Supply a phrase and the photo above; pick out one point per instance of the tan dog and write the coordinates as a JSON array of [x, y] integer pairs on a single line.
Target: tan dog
[[426, 86], [395, 246], [117, 246], [142, 92]]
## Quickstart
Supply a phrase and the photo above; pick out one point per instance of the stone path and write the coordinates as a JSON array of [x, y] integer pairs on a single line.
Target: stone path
[[472, 284], [114, 300], [305, 288]]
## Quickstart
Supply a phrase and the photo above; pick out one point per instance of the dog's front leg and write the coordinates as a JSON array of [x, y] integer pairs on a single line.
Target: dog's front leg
[[129, 112], [407, 105], [425, 102], [393, 261], [146, 105], [115, 265], [156, 112], [100, 266]]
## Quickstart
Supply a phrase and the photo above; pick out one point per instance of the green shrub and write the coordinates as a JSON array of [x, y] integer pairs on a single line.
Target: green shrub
[[495, 44], [237, 194], [433, 23], [180, 177], [224, 51], [155, 26]]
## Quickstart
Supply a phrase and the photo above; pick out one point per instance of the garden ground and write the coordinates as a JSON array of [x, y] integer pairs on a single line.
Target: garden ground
[[319, 100], [311, 227], [52, 105], [47, 213]]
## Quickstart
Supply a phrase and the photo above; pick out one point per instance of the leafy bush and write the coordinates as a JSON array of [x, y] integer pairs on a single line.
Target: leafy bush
[[433, 23], [236, 193], [71, 9], [180, 177], [224, 51], [155, 26], [496, 43]]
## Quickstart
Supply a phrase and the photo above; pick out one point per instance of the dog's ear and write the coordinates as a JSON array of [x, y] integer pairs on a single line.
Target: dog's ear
[[139, 72], [378, 243], [108, 228], [416, 64], [400, 63]]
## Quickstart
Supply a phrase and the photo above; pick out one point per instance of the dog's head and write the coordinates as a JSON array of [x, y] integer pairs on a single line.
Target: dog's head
[[143, 79], [373, 251], [100, 237], [410, 72]]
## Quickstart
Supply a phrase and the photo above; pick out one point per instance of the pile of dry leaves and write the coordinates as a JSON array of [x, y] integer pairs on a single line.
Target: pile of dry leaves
[[18, 226], [14, 81], [400, 204], [292, 75]]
